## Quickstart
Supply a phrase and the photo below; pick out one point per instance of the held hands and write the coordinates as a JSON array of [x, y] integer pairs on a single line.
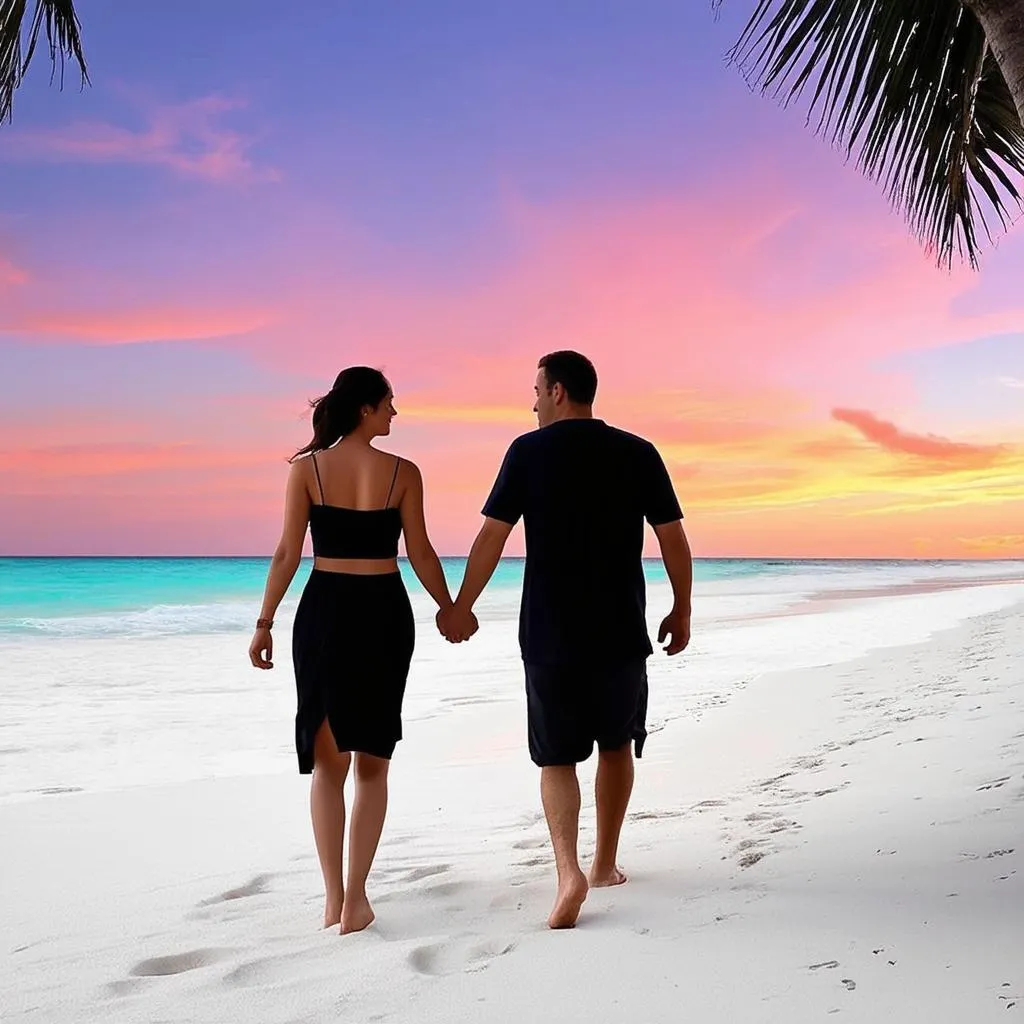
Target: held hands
[[676, 626], [261, 650], [456, 624]]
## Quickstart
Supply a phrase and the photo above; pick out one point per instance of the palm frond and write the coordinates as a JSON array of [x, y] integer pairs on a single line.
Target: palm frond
[[18, 41], [913, 86]]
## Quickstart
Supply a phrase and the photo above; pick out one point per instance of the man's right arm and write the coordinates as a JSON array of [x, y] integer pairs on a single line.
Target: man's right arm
[[502, 510], [675, 553], [483, 560]]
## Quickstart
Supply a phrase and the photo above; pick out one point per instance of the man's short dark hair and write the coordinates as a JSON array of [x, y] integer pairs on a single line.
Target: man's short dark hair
[[575, 372]]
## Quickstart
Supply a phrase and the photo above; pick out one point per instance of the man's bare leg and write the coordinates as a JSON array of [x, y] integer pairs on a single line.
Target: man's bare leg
[[612, 791], [560, 794]]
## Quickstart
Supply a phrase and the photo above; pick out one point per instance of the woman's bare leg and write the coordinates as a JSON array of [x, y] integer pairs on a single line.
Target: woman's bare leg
[[327, 808], [368, 810]]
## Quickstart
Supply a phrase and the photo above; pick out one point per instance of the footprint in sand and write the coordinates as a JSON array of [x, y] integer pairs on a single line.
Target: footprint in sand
[[427, 871], [265, 970], [655, 815], [527, 821], [125, 987], [507, 900], [530, 844], [177, 963], [255, 972], [441, 958], [535, 862], [254, 887], [775, 780], [444, 889], [830, 790], [994, 784]]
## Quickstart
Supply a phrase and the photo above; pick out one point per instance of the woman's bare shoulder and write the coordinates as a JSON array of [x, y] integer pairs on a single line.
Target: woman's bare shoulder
[[403, 465]]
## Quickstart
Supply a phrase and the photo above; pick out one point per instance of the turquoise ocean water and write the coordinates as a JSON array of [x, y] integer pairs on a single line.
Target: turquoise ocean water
[[129, 596]]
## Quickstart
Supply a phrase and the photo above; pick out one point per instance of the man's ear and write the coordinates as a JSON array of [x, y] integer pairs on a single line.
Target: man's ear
[[558, 393]]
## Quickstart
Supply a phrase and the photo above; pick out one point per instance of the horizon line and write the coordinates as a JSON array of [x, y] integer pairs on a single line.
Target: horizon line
[[522, 558]]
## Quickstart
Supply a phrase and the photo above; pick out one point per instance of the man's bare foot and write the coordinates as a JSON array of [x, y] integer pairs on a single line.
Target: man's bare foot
[[332, 912], [601, 878], [569, 901], [356, 914]]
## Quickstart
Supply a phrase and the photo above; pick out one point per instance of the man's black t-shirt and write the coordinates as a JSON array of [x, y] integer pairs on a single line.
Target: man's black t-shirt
[[584, 490]]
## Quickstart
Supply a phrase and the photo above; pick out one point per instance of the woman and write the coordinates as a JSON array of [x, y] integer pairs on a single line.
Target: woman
[[354, 633]]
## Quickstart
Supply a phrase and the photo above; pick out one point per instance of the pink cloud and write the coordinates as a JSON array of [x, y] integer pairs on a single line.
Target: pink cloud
[[186, 138], [127, 326], [928, 446], [119, 457], [11, 275]]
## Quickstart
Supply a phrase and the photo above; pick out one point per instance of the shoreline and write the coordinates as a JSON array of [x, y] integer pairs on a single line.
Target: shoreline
[[825, 598], [128, 725]]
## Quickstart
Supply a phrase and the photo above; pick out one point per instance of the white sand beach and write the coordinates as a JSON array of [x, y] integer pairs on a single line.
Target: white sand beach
[[829, 821]]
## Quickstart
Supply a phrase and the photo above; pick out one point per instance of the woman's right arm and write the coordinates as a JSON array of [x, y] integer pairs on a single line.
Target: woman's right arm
[[422, 556], [284, 563]]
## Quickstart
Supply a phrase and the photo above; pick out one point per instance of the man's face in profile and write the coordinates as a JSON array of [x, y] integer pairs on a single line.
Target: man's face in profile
[[544, 407]]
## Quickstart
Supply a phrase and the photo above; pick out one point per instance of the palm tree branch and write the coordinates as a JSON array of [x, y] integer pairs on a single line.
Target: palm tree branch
[[912, 88], [63, 37]]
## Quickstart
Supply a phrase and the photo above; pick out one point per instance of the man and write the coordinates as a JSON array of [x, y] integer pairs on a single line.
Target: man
[[584, 490]]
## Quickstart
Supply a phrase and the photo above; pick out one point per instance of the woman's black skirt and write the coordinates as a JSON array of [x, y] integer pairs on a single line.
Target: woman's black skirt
[[352, 644]]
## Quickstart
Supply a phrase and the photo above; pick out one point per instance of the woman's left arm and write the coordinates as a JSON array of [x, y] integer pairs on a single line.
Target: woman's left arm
[[283, 564], [422, 556]]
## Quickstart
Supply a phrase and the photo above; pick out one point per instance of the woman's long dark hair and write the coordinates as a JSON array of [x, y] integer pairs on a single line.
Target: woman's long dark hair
[[339, 411]]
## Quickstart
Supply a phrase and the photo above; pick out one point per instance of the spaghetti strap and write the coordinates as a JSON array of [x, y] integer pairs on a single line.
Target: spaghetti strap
[[319, 482], [387, 500]]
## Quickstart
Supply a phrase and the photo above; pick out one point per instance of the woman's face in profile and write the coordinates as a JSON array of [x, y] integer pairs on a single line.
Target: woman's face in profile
[[381, 417]]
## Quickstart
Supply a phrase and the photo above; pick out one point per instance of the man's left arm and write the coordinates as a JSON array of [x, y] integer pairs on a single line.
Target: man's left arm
[[675, 553], [662, 511]]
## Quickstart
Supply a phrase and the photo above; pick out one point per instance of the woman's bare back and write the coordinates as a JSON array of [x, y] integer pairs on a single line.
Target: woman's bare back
[[355, 476]]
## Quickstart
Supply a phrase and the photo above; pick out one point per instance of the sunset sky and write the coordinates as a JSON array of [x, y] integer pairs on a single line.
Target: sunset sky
[[253, 195]]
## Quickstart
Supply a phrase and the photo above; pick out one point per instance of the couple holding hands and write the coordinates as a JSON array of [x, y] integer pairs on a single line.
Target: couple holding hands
[[584, 490]]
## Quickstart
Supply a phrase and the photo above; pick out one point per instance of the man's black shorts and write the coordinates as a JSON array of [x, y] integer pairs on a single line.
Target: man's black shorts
[[570, 707]]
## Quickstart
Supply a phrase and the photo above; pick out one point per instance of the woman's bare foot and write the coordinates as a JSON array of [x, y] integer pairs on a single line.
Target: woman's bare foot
[[602, 878], [356, 914], [332, 912], [571, 895]]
